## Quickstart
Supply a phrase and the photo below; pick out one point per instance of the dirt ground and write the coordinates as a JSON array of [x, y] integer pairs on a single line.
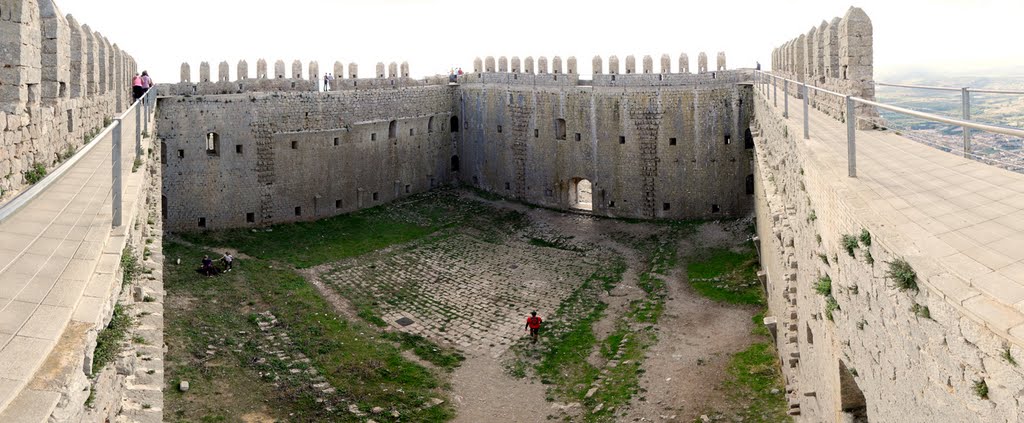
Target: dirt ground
[[683, 370]]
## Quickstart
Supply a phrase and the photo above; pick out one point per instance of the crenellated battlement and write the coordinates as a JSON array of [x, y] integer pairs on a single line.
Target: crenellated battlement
[[485, 71], [836, 55], [59, 80], [391, 75]]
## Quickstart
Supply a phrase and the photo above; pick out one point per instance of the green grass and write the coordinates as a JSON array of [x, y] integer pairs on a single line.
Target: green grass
[[753, 373], [902, 274], [35, 173], [307, 244], [824, 286], [361, 362], [130, 267], [445, 358], [110, 340], [727, 276], [850, 243]]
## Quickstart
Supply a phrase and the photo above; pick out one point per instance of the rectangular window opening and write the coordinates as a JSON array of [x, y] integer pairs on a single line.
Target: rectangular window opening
[[536, 133], [611, 204], [181, 154], [715, 208], [337, 204], [728, 139], [238, 148], [295, 145], [250, 217], [337, 141], [578, 136], [376, 196], [298, 211], [671, 141], [202, 222], [373, 136], [666, 206], [408, 188], [508, 186], [622, 139], [499, 129]]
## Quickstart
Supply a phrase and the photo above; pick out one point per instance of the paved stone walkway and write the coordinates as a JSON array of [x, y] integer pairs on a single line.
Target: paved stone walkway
[[471, 294], [960, 222], [58, 259]]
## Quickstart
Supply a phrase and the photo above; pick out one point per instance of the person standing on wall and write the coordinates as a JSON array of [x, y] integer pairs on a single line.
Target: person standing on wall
[[147, 82], [533, 325], [137, 87], [327, 83]]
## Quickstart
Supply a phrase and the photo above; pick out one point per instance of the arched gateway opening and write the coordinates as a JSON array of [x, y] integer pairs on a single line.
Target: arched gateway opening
[[580, 195]]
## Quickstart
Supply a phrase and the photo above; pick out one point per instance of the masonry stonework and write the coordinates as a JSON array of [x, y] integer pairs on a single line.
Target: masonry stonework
[[59, 81]]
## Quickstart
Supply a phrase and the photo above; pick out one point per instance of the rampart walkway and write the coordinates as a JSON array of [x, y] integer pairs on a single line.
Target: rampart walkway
[[59, 264], [960, 223]]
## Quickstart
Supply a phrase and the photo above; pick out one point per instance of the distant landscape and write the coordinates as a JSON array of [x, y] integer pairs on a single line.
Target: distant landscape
[[995, 109]]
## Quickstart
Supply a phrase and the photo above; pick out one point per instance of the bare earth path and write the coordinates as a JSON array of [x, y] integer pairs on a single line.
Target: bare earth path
[[483, 392]]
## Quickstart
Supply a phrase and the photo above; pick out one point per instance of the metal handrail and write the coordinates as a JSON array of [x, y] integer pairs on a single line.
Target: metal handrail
[[957, 122], [763, 78], [930, 87], [21, 200]]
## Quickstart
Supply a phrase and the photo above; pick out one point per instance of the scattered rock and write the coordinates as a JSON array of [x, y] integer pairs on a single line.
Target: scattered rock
[[183, 386], [377, 410], [705, 419], [599, 407], [774, 391], [591, 392]]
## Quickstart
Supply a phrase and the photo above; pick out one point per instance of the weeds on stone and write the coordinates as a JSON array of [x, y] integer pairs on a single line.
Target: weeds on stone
[[824, 258], [850, 243], [812, 216], [35, 173], [861, 324], [921, 311], [902, 274], [136, 164], [854, 289], [831, 305], [868, 258], [130, 267], [109, 341], [818, 238], [981, 389], [865, 237], [1008, 356], [727, 276], [824, 286]]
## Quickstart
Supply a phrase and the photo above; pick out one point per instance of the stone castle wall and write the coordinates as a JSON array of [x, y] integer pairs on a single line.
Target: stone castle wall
[[879, 356], [651, 145], [59, 81], [283, 157], [838, 56]]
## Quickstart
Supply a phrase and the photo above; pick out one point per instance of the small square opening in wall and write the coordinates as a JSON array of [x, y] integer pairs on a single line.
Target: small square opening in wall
[[412, 132], [250, 217], [715, 208], [181, 154], [408, 188], [376, 196], [611, 204], [373, 136], [578, 136], [508, 186], [337, 141], [666, 206], [622, 139], [202, 222], [295, 145], [238, 148], [298, 211], [671, 141], [499, 129], [337, 204], [728, 139], [536, 133]]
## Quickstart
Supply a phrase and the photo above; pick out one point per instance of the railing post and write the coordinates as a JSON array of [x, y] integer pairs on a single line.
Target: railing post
[[138, 130], [116, 180], [965, 107], [806, 116], [785, 98], [851, 137], [145, 103], [775, 91]]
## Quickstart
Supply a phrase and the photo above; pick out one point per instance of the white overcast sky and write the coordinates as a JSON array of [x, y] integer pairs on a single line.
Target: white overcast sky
[[952, 36]]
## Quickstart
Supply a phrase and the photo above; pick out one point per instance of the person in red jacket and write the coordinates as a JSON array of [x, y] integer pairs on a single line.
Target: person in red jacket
[[533, 325]]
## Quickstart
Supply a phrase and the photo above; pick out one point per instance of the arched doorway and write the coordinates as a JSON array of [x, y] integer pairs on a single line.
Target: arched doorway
[[581, 194], [455, 163]]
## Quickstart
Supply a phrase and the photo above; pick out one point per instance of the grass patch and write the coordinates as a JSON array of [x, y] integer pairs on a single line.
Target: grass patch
[[130, 267], [445, 358], [865, 237], [362, 363], [831, 306], [921, 311], [110, 340], [307, 244], [727, 276], [850, 244], [1008, 356], [902, 274], [35, 173], [981, 389], [824, 286]]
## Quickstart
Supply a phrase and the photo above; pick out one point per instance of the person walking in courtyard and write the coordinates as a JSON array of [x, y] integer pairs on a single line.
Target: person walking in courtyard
[[533, 325], [207, 266]]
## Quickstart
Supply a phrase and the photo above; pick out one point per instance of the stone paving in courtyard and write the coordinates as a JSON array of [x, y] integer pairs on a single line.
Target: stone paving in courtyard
[[468, 293]]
